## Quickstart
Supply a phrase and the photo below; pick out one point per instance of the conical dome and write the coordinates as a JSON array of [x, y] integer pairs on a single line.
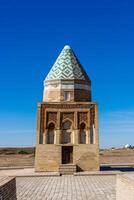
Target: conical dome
[[67, 66], [67, 80]]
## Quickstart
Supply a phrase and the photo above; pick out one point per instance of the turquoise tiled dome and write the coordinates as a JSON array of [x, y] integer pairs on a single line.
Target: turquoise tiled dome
[[67, 66]]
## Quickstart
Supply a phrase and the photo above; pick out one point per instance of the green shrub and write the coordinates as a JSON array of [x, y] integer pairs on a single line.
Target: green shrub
[[23, 152]]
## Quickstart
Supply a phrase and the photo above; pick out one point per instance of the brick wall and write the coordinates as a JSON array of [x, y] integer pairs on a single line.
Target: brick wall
[[47, 157], [82, 95], [86, 157], [7, 188]]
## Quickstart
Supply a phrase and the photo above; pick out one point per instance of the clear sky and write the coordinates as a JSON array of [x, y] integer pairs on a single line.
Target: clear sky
[[32, 34]]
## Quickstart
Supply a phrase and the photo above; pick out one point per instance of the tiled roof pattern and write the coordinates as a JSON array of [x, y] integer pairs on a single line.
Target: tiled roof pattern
[[67, 66]]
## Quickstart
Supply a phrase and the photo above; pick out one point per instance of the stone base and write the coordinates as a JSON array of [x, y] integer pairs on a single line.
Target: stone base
[[67, 169]]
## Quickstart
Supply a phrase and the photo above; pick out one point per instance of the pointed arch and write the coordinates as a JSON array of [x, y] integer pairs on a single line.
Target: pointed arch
[[50, 123], [51, 135], [66, 132], [82, 133]]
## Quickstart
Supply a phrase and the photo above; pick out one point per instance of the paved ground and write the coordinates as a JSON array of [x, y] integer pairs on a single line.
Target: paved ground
[[66, 188], [25, 172], [31, 172]]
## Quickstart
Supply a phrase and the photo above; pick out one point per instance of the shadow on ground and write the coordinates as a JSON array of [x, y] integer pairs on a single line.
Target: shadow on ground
[[122, 169]]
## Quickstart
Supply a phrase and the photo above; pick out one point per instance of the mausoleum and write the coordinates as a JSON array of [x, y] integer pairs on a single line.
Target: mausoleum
[[67, 124]]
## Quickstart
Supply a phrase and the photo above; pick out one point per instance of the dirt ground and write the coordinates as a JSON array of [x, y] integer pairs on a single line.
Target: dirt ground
[[17, 157], [117, 156]]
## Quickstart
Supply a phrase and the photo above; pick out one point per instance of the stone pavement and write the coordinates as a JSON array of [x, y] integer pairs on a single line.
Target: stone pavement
[[25, 172], [67, 188], [31, 172]]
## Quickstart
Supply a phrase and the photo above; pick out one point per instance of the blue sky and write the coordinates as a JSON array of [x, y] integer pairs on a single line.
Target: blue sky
[[32, 34]]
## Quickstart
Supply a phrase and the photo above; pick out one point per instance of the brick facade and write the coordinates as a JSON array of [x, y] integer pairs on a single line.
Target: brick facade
[[49, 156], [67, 126]]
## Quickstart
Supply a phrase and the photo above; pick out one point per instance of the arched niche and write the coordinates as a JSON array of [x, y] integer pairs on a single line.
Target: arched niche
[[66, 132], [50, 134], [82, 133]]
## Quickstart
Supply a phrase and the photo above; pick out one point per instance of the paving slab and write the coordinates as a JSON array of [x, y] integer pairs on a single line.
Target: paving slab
[[66, 188]]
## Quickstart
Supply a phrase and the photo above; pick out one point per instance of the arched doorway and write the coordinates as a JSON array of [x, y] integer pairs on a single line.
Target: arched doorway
[[67, 151]]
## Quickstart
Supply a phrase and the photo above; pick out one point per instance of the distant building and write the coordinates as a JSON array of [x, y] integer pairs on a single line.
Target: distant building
[[127, 146], [67, 131]]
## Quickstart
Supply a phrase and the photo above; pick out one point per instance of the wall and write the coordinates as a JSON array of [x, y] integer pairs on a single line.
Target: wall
[[7, 188], [48, 157], [86, 157], [80, 90]]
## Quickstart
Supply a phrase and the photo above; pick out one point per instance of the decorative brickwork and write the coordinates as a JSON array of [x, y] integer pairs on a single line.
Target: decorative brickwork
[[84, 95], [42, 116], [92, 115], [82, 117], [66, 105], [67, 116], [85, 146], [51, 117], [41, 127]]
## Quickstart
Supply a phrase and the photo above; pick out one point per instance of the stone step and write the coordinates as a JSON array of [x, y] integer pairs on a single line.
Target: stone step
[[67, 169]]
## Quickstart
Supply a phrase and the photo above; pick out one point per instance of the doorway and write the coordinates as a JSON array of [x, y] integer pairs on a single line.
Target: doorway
[[67, 154]]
